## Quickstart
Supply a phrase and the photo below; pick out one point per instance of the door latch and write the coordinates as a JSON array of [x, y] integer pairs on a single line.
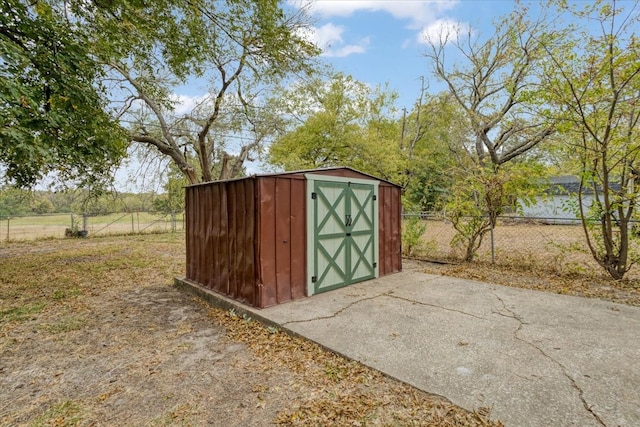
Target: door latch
[[348, 221]]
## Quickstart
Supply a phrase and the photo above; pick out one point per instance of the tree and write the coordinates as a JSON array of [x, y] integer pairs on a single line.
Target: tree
[[240, 47], [496, 85], [339, 122], [430, 133], [73, 70], [342, 121], [172, 200], [53, 115], [14, 201], [597, 97]]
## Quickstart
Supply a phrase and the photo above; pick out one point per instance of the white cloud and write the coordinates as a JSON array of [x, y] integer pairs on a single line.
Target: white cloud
[[184, 104], [423, 16], [442, 31], [328, 35], [330, 40], [348, 49], [419, 13]]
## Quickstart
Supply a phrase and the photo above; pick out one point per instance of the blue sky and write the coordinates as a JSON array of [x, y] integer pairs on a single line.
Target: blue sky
[[380, 42]]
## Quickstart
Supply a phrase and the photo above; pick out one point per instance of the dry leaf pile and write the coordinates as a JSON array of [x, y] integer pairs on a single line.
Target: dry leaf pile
[[331, 390]]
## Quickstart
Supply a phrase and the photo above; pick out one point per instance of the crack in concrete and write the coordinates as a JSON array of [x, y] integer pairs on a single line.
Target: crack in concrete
[[512, 315], [388, 293], [436, 306], [337, 313]]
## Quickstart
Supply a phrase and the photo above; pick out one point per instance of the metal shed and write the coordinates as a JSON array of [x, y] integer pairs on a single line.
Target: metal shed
[[267, 239]]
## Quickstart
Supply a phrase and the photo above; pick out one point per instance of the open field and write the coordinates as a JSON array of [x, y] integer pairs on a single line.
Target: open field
[[93, 333], [54, 226]]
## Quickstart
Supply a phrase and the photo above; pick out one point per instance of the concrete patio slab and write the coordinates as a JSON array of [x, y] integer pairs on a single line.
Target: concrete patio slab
[[533, 358]]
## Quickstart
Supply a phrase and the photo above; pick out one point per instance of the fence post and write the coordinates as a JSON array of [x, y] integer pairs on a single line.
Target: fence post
[[493, 251], [133, 227], [8, 219], [84, 221], [173, 222]]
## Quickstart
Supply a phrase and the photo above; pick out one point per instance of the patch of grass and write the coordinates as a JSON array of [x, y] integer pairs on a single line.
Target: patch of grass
[[63, 414], [21, 313], [66, 324], [45, 227], [33, 272], [61, 294], [41, 220], [180, 415]]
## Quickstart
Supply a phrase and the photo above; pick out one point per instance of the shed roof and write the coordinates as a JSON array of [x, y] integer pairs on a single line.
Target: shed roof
[[302, 171]]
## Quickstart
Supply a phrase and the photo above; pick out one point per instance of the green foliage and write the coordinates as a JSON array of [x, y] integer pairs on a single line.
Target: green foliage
[[71, 70], [53, 115], [413, 230], [340, 122], [467, 208], [14, 201], [430, 133], [483, 194], [241, 48], [18, 202], [173, 199], [594, 94], [496, 87]]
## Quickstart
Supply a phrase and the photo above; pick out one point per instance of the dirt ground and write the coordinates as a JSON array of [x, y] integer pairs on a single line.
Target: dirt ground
[[589, 285], [92, 333]]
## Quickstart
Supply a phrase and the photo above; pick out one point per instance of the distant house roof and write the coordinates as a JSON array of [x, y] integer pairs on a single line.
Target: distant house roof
[[568, 184], [563, 185]]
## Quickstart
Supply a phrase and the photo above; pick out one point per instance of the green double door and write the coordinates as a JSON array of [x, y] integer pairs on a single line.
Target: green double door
[[342, 232]]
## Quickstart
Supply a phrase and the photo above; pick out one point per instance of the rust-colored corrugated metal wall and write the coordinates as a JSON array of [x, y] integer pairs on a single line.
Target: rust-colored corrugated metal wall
[[281, 237], [220, 237], [241, 209], [246, 238], [389, 225]]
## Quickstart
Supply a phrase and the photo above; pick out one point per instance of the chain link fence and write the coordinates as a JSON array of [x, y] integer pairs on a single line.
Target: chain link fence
[[557, 245], [17, 228]]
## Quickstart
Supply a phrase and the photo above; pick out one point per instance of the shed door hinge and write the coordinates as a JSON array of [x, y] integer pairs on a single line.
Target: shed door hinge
[[314, 279], [375, 197], [314, 195], [375, 264]]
